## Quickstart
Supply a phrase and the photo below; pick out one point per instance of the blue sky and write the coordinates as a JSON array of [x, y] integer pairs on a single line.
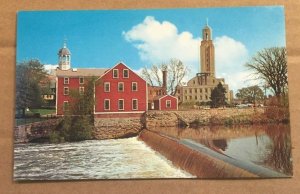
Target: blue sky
[[143, 37]]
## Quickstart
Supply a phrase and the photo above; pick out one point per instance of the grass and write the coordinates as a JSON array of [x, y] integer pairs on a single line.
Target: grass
[[43, 111], [30, 116]]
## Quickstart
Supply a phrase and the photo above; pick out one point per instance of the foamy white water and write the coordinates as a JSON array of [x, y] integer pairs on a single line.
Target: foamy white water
[[95, 159]]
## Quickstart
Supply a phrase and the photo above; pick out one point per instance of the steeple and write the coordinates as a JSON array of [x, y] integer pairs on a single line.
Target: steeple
[[64, 57], [207, 51]]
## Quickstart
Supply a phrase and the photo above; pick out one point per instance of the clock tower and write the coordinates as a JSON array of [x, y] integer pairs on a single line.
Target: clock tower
[[207, 52]]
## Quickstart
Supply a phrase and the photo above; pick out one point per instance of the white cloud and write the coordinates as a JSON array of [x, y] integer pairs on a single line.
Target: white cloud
[[158, 42], [230, 54]]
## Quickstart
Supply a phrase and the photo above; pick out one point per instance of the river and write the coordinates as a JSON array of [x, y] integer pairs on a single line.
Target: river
[[94, 159]]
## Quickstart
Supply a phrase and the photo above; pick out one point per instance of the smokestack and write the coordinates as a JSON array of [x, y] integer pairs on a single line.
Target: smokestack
[[164, 85]]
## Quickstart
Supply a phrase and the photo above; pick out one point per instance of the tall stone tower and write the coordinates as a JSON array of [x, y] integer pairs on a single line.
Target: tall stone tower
[[207, 52], [64, 58]]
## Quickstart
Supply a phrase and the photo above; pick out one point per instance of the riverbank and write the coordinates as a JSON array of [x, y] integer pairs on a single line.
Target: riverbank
[[211, 117]]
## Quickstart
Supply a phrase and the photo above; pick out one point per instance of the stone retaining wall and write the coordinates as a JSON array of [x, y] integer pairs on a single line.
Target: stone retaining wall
[[204, 117], [31, 131], [110, 128]]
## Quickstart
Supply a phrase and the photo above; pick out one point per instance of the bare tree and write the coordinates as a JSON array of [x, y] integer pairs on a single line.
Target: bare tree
[[176, 72], [270, 65]]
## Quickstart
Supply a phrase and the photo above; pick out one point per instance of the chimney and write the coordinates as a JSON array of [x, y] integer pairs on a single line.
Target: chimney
[[164, 85]]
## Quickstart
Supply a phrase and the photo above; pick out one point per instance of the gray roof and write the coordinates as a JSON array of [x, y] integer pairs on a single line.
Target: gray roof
[[86, 72], [64, 51]]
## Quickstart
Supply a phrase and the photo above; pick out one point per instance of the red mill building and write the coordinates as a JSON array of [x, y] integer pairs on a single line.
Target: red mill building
[[119, 91], [198, 89]]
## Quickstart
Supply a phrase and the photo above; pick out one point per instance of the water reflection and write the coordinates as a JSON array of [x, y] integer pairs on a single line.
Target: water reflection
[[266, 145]]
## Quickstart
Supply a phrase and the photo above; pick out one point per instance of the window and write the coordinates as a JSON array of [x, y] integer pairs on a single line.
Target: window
[[66, 90], [200, 97], [106, 87], [195, 97], [115, 73], [81, 90], [168, 103], [66, 80], [121, 104], [190, 97], [121, 87], [195, 90], [81, 80], [66, 105], [200, 90], [190, 90], [186, 97], [205, 90], [134, 104], [178, 91], [206, 98], [106, 104], [134, 86], [125, 73], [185, 91]]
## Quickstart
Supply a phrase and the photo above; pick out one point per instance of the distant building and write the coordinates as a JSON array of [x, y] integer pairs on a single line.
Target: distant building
[[158, 99], [198, 89]]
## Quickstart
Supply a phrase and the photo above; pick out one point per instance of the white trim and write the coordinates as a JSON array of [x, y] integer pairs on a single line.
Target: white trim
[[108, 104], [119, 104], [67, 79], [132, 86], [56, 93], [168, 95], [102, 113], [113, 72], [127, 73], [108, 86], [68, 91], [118, 63], [137, 104], [123, 87], [81, 92]]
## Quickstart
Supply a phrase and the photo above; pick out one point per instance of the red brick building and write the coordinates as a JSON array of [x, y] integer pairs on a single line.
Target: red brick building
[[120, 92], [72, 80]]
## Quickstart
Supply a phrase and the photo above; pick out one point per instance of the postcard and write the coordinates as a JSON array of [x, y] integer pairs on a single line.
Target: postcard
[[152, 94]]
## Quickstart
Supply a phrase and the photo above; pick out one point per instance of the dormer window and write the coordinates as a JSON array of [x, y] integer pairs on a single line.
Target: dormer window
[[125, 73], [115, 73]]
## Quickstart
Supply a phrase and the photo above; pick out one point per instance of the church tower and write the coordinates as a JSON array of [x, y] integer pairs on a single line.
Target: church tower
[[207, 52], [64, 58]]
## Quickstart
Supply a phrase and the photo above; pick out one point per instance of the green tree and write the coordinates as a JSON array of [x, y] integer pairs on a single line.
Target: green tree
[[218, 96], [250, 94], [270, 65], [78, 121], [28, 91]]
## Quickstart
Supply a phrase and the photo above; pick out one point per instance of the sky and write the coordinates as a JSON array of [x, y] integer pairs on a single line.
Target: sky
[[139, 38]]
